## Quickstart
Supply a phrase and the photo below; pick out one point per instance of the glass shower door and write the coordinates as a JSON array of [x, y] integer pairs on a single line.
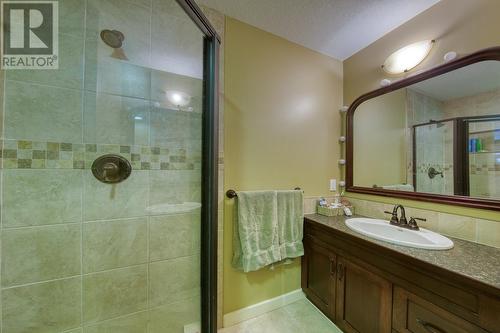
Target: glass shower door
[[111, 246], [434, 158]]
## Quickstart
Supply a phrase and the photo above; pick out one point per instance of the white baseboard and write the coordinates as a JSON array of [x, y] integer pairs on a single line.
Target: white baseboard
[[258, 309]]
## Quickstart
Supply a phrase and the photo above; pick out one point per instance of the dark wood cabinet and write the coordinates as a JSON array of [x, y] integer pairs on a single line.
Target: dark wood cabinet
[[364, 299], [363, 289], [413, 314], [355, 298], [318, 279]]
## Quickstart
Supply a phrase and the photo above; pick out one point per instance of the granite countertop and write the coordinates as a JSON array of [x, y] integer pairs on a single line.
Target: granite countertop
[[474, 261]]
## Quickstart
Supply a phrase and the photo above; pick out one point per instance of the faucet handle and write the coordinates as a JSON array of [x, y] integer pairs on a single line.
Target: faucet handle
[[394, 218], [413, 223]]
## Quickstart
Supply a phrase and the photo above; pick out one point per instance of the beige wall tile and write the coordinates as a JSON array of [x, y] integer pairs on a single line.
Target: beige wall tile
[[40, 253], [174, 280], [38, 197], [114, 293], [70, 71], [174, 316], [457, 226], [43, 307], [127, 199], [57, 118], [488, 232], [111, 119], [173, 236], [134, 323], [114, 244]]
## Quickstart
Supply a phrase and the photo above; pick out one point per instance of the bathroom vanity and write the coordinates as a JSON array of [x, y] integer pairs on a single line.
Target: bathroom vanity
[[368, 286]]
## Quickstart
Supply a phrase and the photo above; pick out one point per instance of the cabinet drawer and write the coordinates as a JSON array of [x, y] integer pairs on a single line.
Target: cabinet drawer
[[412, 314]]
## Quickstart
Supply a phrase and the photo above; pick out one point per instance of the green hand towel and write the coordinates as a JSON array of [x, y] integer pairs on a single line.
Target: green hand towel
[[291, 223], [255, 236]]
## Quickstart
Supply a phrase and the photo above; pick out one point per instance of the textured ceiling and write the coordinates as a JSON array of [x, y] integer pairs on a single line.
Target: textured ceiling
[[338, 28]]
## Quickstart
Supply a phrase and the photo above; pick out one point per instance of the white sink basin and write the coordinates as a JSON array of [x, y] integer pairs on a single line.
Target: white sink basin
[[382, 230]]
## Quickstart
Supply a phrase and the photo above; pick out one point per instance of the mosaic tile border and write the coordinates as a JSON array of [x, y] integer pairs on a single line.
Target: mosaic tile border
[[22, 154]]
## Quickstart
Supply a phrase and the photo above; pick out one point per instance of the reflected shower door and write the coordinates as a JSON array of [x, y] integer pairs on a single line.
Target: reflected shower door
[[434, 158], [114, 254]]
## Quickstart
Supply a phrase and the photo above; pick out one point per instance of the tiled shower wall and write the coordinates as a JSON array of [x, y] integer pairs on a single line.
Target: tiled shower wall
[[78, 255], [484, 169], [434, 144]]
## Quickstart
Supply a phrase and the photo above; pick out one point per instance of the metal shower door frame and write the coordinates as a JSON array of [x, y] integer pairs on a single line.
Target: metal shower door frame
[[210, 156]]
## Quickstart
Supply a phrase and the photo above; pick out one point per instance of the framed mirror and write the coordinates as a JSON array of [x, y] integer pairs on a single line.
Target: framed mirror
[[434, 136]]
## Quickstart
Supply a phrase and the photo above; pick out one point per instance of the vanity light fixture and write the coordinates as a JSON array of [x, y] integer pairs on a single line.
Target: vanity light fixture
[[342, 139], [342, 183], [407, 57], [178, 98], [342, 162], [344, 109]]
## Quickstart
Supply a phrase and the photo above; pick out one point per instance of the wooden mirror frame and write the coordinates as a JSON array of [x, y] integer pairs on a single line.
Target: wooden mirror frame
[[483, 55]]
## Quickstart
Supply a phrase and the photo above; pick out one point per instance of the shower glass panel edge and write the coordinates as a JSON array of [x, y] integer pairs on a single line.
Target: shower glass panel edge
[[210, 156]]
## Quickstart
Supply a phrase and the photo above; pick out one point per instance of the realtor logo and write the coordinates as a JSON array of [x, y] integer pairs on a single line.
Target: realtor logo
[[29, 32]]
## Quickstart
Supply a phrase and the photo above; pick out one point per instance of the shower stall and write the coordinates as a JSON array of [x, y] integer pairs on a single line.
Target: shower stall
[[458, 156], [109, 174]]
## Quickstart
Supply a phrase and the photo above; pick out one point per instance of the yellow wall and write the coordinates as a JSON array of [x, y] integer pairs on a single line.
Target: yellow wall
[[379, 140], [281, 131], [463, 26]]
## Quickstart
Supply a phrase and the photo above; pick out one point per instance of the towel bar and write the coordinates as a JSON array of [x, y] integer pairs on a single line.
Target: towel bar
[[232, 193]]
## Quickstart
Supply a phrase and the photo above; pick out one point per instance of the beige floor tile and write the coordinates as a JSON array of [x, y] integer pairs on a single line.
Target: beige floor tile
[[298, 317]]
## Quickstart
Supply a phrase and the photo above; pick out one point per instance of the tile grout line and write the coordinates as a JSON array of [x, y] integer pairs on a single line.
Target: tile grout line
[[82, 173], [82, 274], [110, 220]]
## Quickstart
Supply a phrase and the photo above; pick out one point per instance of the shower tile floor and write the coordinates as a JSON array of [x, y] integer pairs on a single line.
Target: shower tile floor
[[298, 317]]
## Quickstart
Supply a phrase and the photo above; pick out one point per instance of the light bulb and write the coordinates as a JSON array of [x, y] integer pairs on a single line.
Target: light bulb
[[178, 98]]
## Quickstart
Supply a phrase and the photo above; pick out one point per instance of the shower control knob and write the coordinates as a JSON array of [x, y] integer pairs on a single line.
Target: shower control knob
[[111, 169]]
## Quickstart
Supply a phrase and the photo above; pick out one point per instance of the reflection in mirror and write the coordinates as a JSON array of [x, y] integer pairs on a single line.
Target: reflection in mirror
[[440, 135]]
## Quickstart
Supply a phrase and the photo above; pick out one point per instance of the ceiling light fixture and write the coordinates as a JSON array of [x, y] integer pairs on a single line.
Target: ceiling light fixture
[[408, 57]]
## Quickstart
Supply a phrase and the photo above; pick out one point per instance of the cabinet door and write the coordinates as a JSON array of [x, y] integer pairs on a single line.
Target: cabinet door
[[318, 276], [413, 314], [363, 299]]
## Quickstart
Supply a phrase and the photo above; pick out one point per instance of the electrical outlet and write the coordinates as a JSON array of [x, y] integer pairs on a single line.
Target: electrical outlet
[[192, 328]]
